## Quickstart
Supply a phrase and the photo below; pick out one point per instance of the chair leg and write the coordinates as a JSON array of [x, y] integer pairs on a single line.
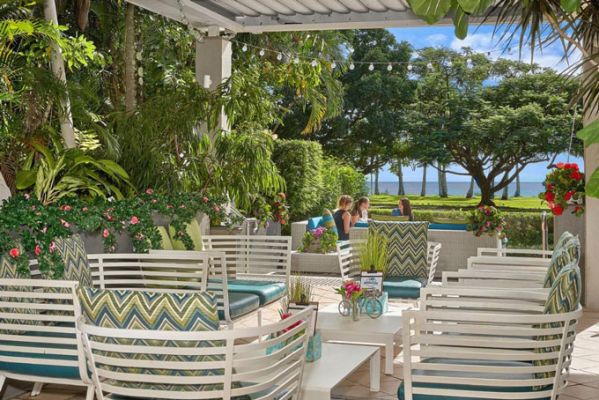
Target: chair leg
[[2, 381], [37, 389], [89, 395]]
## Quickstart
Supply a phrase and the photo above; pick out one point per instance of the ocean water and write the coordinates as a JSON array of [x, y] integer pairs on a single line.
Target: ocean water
[[527, 189]]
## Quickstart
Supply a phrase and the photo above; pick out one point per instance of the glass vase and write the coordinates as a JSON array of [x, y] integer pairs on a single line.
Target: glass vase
[[355, 310]]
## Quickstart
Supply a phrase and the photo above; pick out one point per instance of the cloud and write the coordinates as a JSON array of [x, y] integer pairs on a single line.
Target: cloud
[[436, 39]]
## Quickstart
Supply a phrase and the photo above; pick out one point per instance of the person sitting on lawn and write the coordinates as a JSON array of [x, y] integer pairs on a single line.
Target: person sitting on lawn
[[342, 217], [359, 211], [404, 208]]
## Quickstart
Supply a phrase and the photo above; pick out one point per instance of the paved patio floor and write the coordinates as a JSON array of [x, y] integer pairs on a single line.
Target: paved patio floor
[[584, 376]]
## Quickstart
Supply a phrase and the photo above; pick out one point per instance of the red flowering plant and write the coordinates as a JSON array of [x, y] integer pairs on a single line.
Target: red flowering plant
[[564, 189], [280, 210], [350, 290], [487, 220]]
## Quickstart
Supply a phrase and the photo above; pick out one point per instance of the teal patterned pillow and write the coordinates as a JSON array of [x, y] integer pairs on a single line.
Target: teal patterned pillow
[[9, 270], [407, 246], [328, 221], [132, 309], [559, 259], [564, 297], [76, 265]]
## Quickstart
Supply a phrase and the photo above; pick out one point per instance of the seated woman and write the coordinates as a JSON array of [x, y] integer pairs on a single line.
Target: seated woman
[[342, 217], [360, 210], [404, 208]]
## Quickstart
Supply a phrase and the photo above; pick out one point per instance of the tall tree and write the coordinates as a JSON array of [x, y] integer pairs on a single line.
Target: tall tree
[[130, 64]]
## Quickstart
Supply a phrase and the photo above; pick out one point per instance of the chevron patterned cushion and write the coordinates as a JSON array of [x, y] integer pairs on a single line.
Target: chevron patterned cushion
[[571, 243], [407, 247], [129, 309], [76, 265], [8, 270], [559, 259], [564, 297]]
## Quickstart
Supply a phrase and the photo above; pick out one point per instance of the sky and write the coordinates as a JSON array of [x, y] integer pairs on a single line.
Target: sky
[[480, 39]]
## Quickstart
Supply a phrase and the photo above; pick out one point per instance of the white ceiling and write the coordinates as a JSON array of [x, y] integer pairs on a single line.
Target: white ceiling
[[286, 15]]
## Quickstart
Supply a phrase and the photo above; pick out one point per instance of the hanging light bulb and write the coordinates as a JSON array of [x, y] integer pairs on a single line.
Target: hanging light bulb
[[371, 67], [389, 67], [244, 48], [279, 56], [314, 63], [489, 53], [469, 63], [261, 53], [333, 65], [352, 66], [410, 67]]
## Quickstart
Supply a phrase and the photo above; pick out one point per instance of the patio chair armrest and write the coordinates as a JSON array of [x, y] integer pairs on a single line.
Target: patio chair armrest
[[505, 252], [493, 262], [500, 279]]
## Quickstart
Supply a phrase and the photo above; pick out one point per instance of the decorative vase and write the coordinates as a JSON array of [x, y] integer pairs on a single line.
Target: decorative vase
[[355, 310], [314, 350]]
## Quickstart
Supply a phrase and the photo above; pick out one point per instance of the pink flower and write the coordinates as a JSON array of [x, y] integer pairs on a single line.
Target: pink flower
[[105, 233], [149, 191], [169, 206], [139, 236], [154, 201], [14, 252], [44, 229], [205, 199], [33, 208], [85, 209], [26, 195], [37, 250], [216, 208], [67, 207], [134, 220], [52, 247], [65, 223], [182, 206]]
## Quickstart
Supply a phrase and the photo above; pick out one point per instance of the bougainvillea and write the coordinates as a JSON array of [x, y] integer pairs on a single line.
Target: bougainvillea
[[29, 226], [487, 219], [564, 189]]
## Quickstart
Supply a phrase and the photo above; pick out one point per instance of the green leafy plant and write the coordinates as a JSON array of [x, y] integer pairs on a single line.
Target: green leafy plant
[[373, 253], [564, 187], [62, 173], [487, 219], [300, 290], [319, 240]]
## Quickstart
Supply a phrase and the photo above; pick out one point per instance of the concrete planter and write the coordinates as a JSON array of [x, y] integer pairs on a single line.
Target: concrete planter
[[94, 242], [315, 263]]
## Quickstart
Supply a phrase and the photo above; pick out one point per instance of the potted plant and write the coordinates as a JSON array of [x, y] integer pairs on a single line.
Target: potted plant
[[487, 220], [299, 297], [564, 189], [319, 240], [373, 261], [351, 292]]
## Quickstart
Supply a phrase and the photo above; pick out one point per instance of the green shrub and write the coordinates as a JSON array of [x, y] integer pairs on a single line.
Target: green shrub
[[338, 178], [300, 164]]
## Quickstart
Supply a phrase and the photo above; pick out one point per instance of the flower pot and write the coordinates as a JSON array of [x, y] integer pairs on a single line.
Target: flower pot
[[223, 230]]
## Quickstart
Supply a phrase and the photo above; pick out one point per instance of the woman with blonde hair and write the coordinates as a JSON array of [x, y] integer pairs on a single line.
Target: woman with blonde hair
[[342, 217]]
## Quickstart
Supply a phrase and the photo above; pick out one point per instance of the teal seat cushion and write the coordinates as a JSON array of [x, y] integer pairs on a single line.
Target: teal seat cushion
[[314, 223], [448, 227], [266, 291], [458, 374], [240, 304], [403, 288], [40, 368]]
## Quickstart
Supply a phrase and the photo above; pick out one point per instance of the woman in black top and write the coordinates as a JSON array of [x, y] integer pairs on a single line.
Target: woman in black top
[[342, 217]]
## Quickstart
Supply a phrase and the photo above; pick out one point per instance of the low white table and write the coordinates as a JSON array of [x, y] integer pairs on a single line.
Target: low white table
[[338, 361], [382, 331]]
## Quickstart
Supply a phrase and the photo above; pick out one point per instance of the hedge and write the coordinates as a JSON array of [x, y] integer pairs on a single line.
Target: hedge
[[300, 164], [523, 228]]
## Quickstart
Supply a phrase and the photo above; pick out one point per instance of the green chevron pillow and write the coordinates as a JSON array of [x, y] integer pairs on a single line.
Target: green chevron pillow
[[9, 270], [76, 265], [564, 297], [132, 309], [407, 244], [559, 259]]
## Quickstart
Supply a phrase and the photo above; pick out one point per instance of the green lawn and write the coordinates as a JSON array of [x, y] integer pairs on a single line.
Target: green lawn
[[457, 202]]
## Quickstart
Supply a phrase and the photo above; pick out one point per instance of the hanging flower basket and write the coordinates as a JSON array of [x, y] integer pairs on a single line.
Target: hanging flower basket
[[564, 189], [487, 220]]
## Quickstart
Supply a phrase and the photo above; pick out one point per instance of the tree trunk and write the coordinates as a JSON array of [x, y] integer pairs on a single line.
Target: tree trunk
[[423, 189], [486, 193], [401, 190], [130, 82], [442, 180], [376, 182], [517, 193], [470, 192], [57, 63], [505, 195]]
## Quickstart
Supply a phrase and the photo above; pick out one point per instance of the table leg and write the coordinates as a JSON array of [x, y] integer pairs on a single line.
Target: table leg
[[375, 371], [389, 346], [315, 395]]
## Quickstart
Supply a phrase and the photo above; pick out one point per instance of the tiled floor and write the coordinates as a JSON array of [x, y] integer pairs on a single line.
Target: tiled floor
[[584, 376]]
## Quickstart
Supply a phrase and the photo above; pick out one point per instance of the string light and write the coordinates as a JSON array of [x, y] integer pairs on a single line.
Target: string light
[[389, 67], [449, 64], [410, 67], [244, 48], [314, 63], [261, 53], [351, 66], [296, 60], [371, 67], [429, 66], [279, 56]]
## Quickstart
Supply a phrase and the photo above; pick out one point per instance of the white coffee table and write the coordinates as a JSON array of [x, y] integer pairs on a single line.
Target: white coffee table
[[337, 362], [382, 331]]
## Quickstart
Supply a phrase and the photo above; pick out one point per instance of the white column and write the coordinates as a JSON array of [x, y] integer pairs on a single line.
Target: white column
[[66, 119], [213, 65]]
